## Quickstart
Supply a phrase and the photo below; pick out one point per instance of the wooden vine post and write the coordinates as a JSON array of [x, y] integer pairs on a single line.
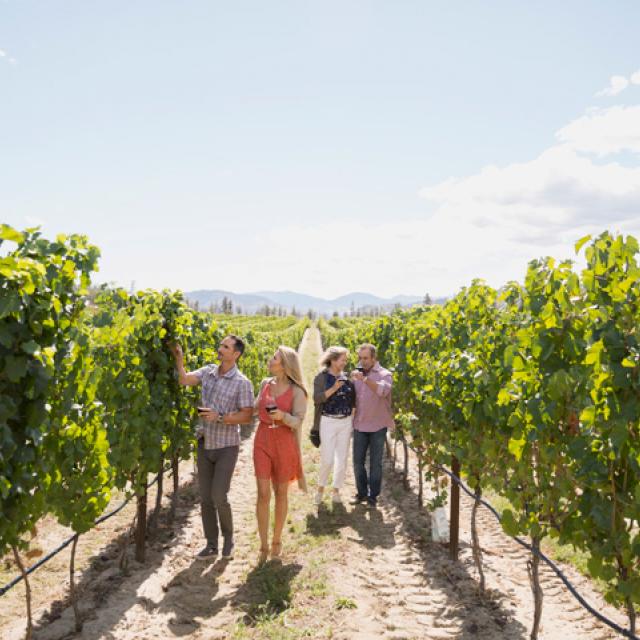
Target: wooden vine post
[[454, 516]]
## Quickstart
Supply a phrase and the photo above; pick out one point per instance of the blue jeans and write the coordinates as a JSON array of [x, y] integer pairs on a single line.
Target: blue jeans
[[363, 440]]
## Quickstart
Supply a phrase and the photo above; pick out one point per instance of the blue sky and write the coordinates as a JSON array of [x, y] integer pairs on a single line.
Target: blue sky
[[390, 147]]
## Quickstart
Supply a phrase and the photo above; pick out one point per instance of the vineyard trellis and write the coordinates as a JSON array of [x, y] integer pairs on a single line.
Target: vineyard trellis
[[535, 388], [89, 400]]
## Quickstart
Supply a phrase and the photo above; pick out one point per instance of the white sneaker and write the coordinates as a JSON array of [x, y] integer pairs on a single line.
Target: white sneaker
[[317, 500], [335, 497]]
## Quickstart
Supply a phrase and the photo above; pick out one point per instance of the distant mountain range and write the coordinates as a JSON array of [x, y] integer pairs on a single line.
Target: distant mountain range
[[252, 302]]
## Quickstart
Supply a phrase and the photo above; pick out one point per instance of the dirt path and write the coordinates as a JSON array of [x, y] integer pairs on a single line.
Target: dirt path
[[506, 610], [346, 572], [98, 551]]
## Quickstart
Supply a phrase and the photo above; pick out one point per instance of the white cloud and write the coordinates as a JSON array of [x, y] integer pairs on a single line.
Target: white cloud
[[544, 205], [616, 85], [604, 131], [490, 223], [560, 191], [486, 225]]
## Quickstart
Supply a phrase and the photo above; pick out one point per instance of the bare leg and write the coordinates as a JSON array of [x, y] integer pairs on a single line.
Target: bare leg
[[282, 506], [262, 514]]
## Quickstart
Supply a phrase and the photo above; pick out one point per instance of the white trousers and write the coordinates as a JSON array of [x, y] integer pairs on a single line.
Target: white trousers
[[335, 435]]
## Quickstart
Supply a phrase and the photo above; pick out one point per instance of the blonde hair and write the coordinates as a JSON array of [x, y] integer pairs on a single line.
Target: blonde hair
[[332, 354], [291, 365]]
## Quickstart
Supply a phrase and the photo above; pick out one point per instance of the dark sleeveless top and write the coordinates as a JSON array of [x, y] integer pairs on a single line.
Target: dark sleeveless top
[[341, 403]]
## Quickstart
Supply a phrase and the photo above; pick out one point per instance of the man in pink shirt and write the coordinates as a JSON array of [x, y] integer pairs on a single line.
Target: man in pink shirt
[[372, 419]]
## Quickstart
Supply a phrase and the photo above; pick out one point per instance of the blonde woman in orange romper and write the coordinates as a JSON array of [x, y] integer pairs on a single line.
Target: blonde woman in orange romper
[[281, 406]]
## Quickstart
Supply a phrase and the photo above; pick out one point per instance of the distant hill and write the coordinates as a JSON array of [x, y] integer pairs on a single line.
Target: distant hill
[[252, 302]]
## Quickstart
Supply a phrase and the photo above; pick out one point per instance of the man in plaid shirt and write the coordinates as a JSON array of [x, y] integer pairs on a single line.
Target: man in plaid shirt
[[227, 395]]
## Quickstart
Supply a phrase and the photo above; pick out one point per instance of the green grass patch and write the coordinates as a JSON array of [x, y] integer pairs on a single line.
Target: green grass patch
[[281, 601], [345, 603]]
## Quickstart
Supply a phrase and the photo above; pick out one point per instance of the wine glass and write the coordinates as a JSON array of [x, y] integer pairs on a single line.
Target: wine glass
[[202, 423], [270, 407]]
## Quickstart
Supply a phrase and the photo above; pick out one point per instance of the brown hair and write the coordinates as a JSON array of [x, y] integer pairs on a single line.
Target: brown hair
[[370, 347], [238, 344]]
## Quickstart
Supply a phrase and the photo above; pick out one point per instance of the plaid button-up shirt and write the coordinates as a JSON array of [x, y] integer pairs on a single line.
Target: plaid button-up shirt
[[225, 393]]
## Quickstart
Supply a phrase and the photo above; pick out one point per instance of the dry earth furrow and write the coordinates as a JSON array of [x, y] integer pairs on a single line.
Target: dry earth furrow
[[505, 567]]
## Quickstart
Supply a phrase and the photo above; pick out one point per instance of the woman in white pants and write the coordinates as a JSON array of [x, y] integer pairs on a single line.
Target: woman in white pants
[[334, 398]]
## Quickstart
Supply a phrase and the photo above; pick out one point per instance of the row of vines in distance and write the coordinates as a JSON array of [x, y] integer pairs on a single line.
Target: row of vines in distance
[[536, 389], [89, 399]]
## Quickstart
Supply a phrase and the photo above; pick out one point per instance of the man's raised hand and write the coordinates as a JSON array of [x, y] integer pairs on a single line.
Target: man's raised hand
[[176, 350]]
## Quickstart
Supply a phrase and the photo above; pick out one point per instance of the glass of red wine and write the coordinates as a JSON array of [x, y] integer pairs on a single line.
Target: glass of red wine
[[359, 368], [202, 423], [270, 407]]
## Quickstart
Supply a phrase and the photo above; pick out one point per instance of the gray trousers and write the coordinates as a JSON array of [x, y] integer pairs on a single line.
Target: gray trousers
[[215, 469]]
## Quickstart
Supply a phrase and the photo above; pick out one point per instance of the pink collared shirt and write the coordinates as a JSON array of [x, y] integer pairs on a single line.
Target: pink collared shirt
[[373, 408]]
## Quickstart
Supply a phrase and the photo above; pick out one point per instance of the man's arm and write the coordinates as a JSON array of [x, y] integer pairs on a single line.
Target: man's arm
[[242, 416], [381, 387], [184, 378]]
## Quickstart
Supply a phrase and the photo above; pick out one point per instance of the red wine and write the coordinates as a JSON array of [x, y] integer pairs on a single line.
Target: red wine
[[271, 407]]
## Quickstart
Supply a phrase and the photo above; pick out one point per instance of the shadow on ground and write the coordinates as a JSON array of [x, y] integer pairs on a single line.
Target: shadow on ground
[[478, 615], [103, 576]]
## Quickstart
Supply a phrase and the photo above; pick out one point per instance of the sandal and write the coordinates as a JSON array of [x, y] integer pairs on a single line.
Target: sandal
[[276, 549]]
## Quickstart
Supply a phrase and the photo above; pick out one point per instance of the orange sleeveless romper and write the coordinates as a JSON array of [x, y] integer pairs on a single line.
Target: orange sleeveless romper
[[276, 455]]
